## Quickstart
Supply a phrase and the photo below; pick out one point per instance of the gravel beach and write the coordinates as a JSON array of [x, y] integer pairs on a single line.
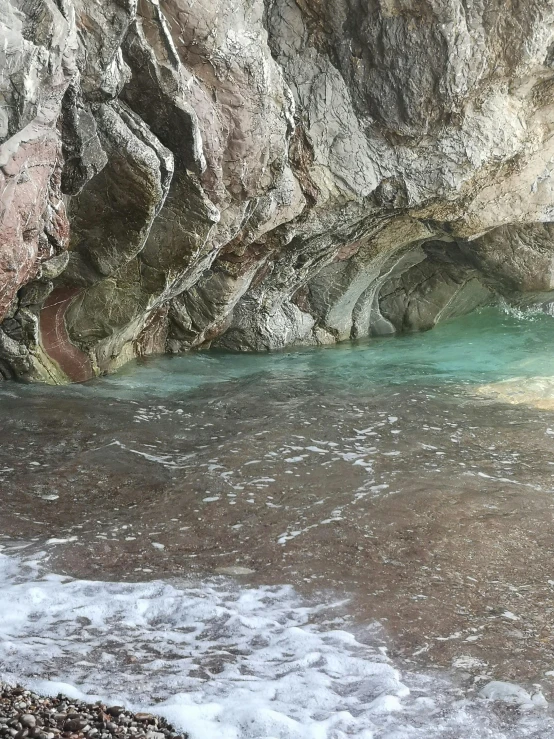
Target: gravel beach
[[26, 714]]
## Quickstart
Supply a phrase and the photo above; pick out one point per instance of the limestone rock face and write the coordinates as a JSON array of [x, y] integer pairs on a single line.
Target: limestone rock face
[[252, 174]]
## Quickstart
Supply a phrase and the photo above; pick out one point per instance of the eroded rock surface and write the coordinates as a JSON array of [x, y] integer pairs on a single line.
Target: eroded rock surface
[[250, 174]]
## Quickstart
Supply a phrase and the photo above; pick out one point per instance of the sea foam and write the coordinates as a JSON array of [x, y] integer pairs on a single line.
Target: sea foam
[[224, 661]]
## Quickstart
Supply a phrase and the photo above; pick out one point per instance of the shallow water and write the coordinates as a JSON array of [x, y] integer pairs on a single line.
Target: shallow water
[[486, 346], [409, 477], [229, 662]]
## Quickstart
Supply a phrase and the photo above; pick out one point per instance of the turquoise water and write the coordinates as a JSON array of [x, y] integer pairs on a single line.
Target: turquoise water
[[486, 346]]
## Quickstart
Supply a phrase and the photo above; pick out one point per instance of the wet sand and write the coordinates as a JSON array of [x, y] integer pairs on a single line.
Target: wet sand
[[432, 510]]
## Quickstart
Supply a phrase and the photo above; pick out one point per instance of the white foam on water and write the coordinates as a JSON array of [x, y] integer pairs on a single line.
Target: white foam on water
[[225, 661]]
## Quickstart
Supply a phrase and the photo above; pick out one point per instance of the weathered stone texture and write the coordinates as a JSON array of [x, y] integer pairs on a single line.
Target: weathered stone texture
[[250, 174]]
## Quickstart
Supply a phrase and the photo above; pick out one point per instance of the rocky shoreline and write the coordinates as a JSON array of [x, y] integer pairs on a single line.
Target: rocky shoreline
[[250, 175], [24, 713]]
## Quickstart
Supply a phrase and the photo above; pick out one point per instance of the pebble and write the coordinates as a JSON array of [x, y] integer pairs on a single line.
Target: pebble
[[26, 715]]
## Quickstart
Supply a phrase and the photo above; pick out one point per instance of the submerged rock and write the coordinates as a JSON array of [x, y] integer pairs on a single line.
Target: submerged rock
[[535, 392], [252, 174], [513, 694]]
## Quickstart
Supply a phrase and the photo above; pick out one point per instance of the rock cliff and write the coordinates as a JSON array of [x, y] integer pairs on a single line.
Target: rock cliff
[[251, 175]]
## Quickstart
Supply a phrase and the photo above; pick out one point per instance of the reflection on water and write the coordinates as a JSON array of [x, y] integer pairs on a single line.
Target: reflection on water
[[386, 470]]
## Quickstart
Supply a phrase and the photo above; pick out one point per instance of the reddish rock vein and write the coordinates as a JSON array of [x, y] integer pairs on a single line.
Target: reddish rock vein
[[55, 339]]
